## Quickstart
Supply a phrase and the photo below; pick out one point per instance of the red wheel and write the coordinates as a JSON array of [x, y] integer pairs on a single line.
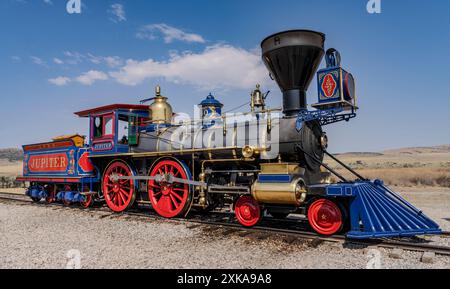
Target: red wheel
[[88, 201], [247, 211], [119, 194], [169, 200], [325, 217], [51, 190]]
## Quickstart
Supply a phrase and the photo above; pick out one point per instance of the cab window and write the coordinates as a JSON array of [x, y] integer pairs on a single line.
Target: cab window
[[103, 126], [123, 129], [108, 125], [98, 126]]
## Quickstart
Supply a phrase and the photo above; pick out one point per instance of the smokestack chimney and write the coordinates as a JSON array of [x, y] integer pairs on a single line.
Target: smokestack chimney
[[292, 57]]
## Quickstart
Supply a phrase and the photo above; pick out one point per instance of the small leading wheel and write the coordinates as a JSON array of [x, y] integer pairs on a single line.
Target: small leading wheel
[[119, 194], [169, 200], [325, 217], [247, 211]]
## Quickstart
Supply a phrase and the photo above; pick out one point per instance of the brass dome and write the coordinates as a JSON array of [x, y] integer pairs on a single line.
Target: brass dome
[[160, 110]]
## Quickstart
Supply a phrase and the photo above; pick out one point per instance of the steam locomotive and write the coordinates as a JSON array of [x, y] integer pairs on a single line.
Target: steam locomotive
[[261, 163]]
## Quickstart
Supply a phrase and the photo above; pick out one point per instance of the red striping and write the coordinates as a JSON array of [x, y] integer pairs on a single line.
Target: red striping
[[46, 146]]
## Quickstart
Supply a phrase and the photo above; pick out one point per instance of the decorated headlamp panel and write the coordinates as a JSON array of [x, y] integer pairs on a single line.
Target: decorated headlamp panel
[[336, 86]]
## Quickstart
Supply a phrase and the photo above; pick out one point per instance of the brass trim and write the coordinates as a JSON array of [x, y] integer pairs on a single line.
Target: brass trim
[[167, 153]]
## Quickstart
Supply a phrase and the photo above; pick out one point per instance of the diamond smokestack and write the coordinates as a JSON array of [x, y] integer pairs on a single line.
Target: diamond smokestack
[[292, 58]]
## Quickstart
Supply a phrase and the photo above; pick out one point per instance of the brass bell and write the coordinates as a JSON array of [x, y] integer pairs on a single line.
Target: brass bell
[[257, 98]]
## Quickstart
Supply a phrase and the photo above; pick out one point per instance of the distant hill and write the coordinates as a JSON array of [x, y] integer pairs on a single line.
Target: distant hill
[[420, 150], [441, 149], [11, 155]]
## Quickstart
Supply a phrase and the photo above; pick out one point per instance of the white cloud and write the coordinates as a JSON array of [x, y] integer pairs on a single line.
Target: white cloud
[[118, 13], [113, 61], [16, 58], [74, 58], [58, 61], [94, 59], [168, 32], [49, 2], [37, 60], [218, 66], [59, 81], [91, 76]]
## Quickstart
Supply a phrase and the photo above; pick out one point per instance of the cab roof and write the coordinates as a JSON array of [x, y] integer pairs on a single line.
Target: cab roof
[[111, 107]]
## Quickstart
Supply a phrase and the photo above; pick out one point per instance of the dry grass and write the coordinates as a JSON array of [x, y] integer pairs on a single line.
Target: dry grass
[[10, 169], [407, 177], [407, 167]]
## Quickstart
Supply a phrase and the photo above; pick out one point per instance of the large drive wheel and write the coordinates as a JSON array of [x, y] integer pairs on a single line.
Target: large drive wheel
[[169, 200], [247, 211], [119, 194], [325, 217]]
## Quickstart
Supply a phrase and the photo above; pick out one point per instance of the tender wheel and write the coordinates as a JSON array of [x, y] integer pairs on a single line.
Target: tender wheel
[[51, 190], [88, 201], [119, 194], [169, 200], [247, 211], [67, 188], [325, 217]]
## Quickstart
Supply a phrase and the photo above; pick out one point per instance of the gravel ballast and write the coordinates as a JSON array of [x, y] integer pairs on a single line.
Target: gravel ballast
[[35, 236]]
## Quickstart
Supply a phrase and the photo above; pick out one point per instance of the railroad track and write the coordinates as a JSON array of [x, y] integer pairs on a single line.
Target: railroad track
[[297, 229]]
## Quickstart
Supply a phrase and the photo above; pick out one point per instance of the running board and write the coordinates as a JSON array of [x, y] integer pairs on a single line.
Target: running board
[[377, 212]]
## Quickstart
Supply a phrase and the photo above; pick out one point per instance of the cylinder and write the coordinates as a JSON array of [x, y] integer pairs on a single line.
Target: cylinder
[[292, 193]]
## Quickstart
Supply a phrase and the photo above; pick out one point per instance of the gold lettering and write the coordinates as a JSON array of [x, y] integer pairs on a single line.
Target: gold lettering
[[63, 162]]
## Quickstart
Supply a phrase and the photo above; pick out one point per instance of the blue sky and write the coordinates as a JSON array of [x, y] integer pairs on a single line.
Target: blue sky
[[53, 63]]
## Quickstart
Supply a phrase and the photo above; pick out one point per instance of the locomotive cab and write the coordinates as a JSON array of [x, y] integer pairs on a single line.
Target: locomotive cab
[[113, 127]]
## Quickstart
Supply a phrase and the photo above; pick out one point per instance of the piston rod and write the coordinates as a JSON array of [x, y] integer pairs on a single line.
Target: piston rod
[[167, 178]]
